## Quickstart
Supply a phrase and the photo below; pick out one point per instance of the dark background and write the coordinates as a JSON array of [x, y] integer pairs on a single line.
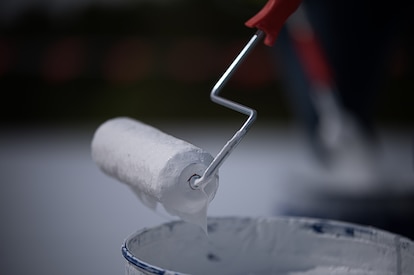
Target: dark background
[[89, 61]]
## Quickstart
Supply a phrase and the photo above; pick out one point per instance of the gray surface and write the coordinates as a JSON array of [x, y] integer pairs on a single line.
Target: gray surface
[[61, 215]]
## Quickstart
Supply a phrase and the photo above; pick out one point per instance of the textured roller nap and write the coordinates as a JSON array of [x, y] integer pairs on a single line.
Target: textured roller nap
[[155, 165]]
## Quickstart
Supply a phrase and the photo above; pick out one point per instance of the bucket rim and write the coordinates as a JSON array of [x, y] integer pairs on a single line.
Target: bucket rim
[[318, 225], [152, 269]]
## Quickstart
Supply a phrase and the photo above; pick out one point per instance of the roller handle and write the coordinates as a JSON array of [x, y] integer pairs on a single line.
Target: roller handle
[[271, 18]]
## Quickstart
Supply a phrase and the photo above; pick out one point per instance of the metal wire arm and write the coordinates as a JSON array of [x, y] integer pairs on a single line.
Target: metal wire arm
[[196, 181]]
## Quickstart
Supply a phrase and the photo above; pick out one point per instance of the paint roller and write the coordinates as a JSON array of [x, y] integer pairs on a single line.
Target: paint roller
[[157, 166], [163, 169]]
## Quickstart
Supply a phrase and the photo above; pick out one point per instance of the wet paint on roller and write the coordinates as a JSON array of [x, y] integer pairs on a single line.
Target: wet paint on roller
[[247, 246], [156, 166]]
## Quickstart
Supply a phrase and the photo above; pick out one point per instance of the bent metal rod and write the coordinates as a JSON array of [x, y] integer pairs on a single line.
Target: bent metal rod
[[197, 181]]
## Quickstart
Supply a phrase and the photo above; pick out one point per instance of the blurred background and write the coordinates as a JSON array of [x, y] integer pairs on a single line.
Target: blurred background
[[90, 60], [64, 61], [67, 66]]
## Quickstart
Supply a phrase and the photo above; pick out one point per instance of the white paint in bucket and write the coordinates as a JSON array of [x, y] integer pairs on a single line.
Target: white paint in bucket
[[277, 245]]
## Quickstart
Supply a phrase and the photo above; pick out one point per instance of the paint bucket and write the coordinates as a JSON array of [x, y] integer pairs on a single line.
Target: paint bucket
[[277, 245]]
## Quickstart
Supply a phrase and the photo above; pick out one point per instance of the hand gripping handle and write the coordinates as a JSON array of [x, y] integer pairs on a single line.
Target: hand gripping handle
[[271, 18]]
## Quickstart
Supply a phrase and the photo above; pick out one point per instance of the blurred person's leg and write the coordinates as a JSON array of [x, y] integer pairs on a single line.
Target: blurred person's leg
[[298, 87], [357, 38]]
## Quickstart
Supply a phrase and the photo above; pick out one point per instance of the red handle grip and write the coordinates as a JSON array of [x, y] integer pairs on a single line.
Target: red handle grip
[[271, 18]]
